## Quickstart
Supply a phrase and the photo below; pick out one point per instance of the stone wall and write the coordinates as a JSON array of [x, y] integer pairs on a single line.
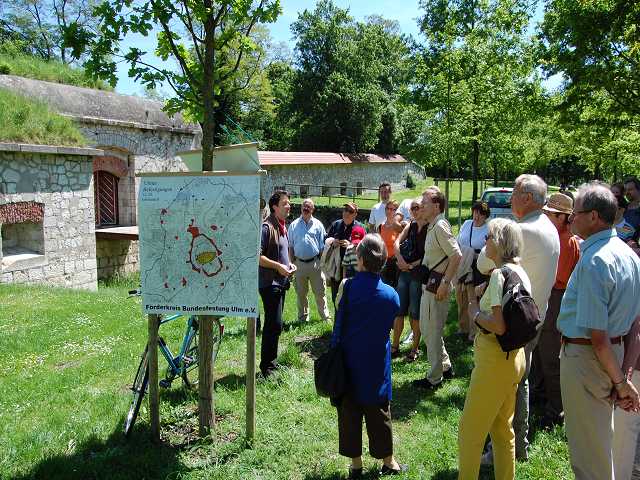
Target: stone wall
[[364, 175], [60, 179], [117, 257]]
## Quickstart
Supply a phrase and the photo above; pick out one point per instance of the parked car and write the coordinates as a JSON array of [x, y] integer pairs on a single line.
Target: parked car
[[499, 201]]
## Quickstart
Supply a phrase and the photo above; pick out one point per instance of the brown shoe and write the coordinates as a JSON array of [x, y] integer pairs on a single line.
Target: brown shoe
[[412, 356]]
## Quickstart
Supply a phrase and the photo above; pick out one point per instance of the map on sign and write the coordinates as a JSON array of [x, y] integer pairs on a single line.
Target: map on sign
[[199, 241]]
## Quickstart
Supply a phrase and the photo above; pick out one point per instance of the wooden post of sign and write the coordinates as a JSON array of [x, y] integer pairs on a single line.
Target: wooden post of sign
[[207, 419], [154, 398], [251, 379]]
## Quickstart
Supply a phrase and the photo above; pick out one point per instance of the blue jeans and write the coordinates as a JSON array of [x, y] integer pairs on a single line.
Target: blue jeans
[[410, 293]]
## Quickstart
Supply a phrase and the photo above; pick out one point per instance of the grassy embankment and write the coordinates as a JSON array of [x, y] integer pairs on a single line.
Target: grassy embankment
[[25, 120]]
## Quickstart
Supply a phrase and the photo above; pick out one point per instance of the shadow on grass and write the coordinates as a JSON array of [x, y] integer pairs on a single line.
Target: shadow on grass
[[313, 345], [111, 458], [449, 474], [367, 474]]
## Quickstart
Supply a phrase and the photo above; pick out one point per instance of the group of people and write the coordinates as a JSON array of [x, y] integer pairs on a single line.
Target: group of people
[[577, 258]]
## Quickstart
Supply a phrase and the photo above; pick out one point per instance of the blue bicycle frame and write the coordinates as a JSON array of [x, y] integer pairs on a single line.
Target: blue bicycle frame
[[176, 364]]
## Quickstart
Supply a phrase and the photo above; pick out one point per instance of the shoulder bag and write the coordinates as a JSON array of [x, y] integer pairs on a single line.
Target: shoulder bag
[[329, 370]]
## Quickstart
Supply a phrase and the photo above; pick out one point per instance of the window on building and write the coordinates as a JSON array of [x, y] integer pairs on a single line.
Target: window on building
[[326, 191], [343, 188], [105, 193], [359, 188], [304, 191], [21, 235]]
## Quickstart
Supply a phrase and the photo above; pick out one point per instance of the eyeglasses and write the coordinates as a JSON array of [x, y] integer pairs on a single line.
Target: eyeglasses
[[390, 208], [578, 212]]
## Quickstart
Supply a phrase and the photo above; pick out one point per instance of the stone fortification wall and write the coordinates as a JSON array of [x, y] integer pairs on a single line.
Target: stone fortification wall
[[365, 175], [47, 215], [117, 257]]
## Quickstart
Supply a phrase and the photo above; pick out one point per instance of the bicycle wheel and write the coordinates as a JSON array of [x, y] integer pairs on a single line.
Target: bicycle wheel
[[139, 388], [190, 372]]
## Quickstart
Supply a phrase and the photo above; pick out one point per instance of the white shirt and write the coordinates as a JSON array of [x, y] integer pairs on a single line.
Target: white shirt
[[540, 253], [405, 209], [478, 235], [378, 215]]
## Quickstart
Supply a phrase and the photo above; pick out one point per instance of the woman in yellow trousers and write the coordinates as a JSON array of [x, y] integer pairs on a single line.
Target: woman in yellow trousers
[[490, 402]]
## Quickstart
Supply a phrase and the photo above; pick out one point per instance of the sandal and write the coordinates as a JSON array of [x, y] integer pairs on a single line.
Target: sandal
[[412, 355], [395, 352]]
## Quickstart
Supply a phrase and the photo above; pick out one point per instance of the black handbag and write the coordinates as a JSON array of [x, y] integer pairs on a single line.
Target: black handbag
[[329, 369]]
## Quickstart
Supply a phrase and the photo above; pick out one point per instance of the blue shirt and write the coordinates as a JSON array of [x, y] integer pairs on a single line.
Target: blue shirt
[[371, 307], [603, 290], [306, 239]]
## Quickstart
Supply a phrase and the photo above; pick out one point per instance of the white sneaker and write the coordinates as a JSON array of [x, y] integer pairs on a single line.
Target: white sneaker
[[487, 458]]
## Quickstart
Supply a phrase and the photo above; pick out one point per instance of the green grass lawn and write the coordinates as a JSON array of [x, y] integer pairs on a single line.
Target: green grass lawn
[[69, 357]]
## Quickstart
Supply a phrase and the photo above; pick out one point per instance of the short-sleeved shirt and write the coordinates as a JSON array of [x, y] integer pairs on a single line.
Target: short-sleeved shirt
[[378, 214], [493, 294], [569, 256], [471, 236], [540, 254], [439, 243], [603, 290], [405, 209], [306, 238], [629, 228], [283, 258]]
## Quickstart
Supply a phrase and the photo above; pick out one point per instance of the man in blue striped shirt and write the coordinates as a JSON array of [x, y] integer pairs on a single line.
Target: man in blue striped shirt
[[598, 308], [306, 242]]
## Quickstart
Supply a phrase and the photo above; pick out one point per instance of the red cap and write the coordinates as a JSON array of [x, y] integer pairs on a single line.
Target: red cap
[[357, 234]]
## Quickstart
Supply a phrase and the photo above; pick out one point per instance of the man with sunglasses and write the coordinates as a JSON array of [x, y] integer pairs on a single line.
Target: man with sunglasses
[[598, 308], [339, 236]]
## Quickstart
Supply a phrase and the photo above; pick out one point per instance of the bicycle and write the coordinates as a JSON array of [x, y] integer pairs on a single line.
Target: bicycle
[[183, 365]]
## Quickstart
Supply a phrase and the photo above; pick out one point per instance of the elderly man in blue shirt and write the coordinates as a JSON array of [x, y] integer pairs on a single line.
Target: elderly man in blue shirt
[[306, 242], [598, 308]]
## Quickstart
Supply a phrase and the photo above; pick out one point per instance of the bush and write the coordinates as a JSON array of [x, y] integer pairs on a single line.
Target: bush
[[411, 181], [28, 121], [5, 69]]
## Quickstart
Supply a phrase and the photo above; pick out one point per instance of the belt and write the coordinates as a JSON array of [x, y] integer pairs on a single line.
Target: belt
[[308, 260], [587, 341]]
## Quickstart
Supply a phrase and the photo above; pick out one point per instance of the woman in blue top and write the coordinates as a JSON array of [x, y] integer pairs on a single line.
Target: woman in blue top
[[367, 309]]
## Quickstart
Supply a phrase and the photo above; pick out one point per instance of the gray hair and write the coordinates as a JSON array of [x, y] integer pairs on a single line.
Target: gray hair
[[373, 252], [309, 200], [534, 185], [507, 236], [597, 196]]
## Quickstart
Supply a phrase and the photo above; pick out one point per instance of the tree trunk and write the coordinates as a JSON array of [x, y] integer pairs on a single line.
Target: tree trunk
[[475, 161], [205, 367], [209, 121]]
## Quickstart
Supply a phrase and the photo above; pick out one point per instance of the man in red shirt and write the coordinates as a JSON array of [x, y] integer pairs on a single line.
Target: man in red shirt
[[558, 209]]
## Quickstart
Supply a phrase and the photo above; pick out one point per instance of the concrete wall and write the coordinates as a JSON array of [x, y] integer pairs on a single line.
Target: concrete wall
[[59, 179]]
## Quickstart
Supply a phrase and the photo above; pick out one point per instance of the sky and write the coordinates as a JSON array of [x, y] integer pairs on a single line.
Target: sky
[[406, 12]]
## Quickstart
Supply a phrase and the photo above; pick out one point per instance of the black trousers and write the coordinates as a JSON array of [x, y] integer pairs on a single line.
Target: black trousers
[[378, 421], [273, 303]]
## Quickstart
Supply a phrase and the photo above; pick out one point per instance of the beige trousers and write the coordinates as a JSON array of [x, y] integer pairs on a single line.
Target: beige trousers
[[433, 315], [310, 272], [626, 428], [588, 413]]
